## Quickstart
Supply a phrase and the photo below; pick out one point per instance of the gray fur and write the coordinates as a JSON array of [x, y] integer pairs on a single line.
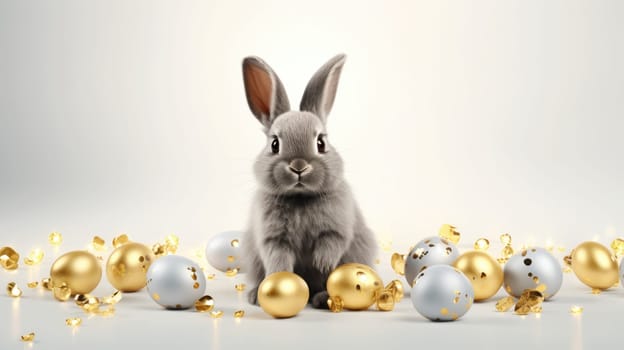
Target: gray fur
[[307, 222]]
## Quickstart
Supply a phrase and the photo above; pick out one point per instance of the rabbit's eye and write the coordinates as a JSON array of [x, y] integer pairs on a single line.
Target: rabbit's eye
[[275, 145], [320, 145]]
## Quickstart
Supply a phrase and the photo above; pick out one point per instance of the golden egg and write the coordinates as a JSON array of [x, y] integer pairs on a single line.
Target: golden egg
[[357, 285], [594, 265], [79, 269], [283, 294], [483, 272], [127, 266]]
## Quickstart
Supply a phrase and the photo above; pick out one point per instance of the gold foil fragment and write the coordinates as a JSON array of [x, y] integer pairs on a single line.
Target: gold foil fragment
[[46, 283], [396, 288], [385, 300], [448, 232], [210, 276], [113, 298], [32, 284], [28, 337], [55, 238], [596, 291], [62, 292], [9, 258], [507, 252], [239, 313], [73, 321], [158, 249], [576, 310], [234, 243], [567, 260], [98, 243], [530, 301], [13, 290], [335, 304], [240, 287], [504, 304], [216, 314], [397, 261], [482, 244], [120, 240], [171, 243], [204, 304], [34, 257], [505, 238], [618, 246], [231, 272]]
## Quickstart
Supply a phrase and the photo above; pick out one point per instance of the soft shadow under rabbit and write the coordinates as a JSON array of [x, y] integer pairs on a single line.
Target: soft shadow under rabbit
[[304, 218]]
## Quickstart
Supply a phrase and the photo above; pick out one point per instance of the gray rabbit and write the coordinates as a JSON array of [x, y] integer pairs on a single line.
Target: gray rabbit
[[304, 218]]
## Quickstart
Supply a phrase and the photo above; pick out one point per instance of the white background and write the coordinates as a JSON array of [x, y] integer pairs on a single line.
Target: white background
[[494, 116]]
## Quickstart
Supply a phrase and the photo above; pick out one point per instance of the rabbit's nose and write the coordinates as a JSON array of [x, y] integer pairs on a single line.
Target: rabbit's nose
[[298, 166]]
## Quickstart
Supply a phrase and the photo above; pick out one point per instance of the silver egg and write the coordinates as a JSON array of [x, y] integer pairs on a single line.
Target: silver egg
[[223, 250], [175, 282], [442, 293], [428, 252], [533, 268]]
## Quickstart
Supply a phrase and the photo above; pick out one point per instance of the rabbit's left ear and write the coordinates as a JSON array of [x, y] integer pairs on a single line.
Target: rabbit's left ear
[[319, 95], [266, 96]]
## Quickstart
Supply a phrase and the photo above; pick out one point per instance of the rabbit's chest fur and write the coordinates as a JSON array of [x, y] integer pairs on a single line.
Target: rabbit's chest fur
[[301, 221]]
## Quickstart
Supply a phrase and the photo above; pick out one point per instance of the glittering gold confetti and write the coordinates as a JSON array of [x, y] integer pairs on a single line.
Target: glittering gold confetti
[[240, 287], [87, 302], [231, 272], [507, 252], [28, 337], [504, 304], [385, 300], [396, 288], [158, 249], [530, 301], [171, 243], [505, 238], [46, 283], [98, 243], [113, 298], [204, 304], [62, 292], [210, 276], [73, 321], [576, 310], [567, 260], [55, 238], [120, 240], [448, 232], [482, 244], [106, 312], [32, 284], [13, 290], [335, 304], [234, 243], [618, 246], [9, 258], [239, 313], [34, 257], [397, 261], [216, 314]]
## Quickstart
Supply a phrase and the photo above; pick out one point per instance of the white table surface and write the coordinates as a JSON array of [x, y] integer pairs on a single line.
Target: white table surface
[[140, 323]]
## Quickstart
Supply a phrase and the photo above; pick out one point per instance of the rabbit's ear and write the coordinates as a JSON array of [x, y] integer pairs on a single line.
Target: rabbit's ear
[[319, 95], [265, 93]]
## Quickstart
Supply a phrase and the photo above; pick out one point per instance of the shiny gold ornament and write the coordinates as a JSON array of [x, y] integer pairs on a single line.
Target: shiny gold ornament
[[120, 240], [55, 239], [127, 266], [79, 269], [397, 261], [448, 232], [482, 244], [204, 304], [483, 272], [594, 265], [385, 300], [13, 290], [357, 285], [283, 294], [34, 258], [9, 258]]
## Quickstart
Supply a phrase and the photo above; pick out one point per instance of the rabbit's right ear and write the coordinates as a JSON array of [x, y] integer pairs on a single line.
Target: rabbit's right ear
[[265, 93]]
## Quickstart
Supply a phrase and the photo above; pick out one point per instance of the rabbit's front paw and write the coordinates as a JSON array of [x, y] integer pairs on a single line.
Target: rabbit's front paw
[[319, 300]]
